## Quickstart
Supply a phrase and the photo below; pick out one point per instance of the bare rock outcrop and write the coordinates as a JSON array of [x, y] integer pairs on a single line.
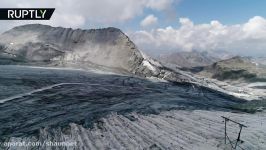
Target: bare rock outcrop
[[107, 48]]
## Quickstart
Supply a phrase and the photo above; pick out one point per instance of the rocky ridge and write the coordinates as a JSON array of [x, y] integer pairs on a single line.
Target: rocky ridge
[[105, 49]]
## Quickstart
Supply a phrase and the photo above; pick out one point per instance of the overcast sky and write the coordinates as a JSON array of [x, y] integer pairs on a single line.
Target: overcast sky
[[162, 26]]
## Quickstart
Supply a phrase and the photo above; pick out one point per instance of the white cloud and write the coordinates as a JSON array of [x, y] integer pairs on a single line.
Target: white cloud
[[159, 4], [248, 38], [255, 28], [70, 13], [149, 21]]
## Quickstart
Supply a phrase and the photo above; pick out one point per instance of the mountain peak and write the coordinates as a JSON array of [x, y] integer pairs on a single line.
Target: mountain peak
[[42, 27], [108, 47], [105, 49]]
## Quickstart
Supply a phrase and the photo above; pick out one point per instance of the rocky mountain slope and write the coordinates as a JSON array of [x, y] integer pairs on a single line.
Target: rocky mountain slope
[[193, 58], [260, 60], [235, 69], [239, 74], [105, 49], [108, 50]]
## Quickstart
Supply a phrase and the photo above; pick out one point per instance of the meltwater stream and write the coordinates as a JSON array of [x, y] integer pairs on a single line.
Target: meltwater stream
[[33, 98]]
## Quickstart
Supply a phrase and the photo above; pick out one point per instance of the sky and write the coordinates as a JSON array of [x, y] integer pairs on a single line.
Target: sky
[[164, 26]]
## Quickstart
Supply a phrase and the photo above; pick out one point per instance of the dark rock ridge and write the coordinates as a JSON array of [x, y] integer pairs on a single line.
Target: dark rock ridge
[[194, 58], [236, 68], [107, 48], [188, 59], [40, 43]]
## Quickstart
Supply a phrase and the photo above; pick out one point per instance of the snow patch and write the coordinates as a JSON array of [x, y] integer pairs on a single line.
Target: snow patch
[[149, 66]]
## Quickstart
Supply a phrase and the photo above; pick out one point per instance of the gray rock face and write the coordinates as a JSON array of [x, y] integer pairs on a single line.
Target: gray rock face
[[40, 43], [238, 69], [108, 49], [194, 58]]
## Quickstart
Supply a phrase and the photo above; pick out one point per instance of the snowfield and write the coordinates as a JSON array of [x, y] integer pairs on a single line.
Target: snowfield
[[109, 111], [176, 130]]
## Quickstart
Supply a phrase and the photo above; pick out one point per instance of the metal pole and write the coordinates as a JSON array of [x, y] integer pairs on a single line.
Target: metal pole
[[238, 138], [225, 134]]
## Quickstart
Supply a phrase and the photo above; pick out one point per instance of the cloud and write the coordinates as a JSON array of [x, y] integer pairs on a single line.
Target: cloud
[[247, 39], [149, 21], [159, 4], [77, 13], [255, 28]]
